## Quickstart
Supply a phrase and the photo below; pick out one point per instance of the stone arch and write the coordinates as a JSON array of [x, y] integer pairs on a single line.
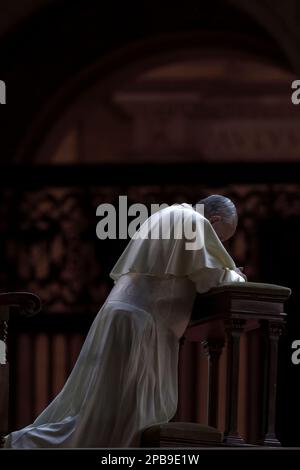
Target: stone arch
[[124, 65], [155, 29]]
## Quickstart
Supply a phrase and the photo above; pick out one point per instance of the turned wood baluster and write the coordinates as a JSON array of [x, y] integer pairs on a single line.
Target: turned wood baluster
[[178, 413], [234, 329], [213, 349], [271, 333]]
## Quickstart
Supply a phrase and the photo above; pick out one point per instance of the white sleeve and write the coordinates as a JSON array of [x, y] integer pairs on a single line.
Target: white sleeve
[[232, 276], [207, 278], [219, 266]]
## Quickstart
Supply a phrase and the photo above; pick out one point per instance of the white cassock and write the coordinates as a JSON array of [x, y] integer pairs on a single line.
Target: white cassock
[[125, 378]]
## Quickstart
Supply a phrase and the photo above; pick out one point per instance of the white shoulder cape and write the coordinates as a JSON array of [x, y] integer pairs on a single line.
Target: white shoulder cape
[[207, 266]]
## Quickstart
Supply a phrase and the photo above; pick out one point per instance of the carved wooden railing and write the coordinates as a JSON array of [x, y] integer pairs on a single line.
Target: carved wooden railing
[[219, 318], [22, 303]]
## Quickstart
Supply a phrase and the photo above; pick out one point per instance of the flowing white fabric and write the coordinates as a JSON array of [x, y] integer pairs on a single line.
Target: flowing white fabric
[[125, 378], [207, 266]]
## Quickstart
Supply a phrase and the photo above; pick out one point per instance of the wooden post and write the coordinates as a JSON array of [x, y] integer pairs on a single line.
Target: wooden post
[[271, 332], [234, 329], [179, 410], [213, 349]]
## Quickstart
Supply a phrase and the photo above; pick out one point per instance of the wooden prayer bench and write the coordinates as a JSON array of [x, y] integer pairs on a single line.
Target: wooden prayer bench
[[219, 318], [22, 303], [181, 435]]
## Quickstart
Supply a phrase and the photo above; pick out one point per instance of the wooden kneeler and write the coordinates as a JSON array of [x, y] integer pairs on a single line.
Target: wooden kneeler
[[181, 435]]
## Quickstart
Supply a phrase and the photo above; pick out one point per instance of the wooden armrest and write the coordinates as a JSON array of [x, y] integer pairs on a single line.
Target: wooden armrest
[[251, 288], [28, 304]]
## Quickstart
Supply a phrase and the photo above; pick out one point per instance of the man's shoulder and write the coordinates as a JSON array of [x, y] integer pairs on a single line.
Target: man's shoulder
[[183, 209]]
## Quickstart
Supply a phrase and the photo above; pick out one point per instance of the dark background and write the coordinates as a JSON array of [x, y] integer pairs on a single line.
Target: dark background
[[159, 101]]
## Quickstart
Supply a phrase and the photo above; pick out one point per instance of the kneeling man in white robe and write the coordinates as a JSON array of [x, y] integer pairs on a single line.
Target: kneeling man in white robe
[[125, 378]]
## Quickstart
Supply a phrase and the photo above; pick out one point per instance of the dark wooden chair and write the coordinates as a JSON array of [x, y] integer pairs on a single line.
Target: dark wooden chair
[[21, 303], [219, 319]]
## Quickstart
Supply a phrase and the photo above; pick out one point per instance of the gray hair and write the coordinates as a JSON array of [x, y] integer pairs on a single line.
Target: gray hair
[[219, 205]]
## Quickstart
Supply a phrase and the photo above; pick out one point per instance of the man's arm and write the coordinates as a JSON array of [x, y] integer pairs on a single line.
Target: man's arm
[[207, 278], [216, 266]]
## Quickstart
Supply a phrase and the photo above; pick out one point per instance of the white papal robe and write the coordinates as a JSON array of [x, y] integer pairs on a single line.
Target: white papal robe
[[125, 378]]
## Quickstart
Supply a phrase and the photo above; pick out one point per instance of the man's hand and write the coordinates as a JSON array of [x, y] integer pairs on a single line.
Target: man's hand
[[240, 272]]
